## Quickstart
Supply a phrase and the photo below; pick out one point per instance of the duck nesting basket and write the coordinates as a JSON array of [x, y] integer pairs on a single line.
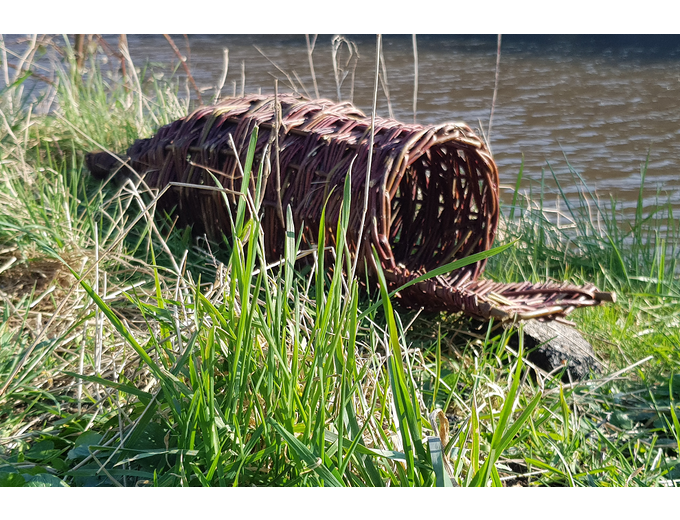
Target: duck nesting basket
[[433, 194]]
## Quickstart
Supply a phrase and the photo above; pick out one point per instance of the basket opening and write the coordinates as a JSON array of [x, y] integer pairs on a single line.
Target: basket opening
[[435, 211]]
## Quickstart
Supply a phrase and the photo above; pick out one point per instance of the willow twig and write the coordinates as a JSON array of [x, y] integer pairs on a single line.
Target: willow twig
[[310, 50], [186, 67], [415, 78], [495, 90]]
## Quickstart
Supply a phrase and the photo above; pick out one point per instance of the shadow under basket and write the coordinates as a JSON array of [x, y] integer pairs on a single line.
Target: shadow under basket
[[432, 198]]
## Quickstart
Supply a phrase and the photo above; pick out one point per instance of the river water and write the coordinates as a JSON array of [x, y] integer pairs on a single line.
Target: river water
[[598, 103]]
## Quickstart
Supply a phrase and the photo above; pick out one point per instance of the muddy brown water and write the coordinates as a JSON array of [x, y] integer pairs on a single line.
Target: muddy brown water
[[604, 102]]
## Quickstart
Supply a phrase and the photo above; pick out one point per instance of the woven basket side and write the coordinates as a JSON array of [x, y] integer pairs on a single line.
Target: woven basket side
[[432, 194]]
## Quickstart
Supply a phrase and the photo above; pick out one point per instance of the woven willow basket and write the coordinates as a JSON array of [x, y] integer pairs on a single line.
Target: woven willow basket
[[433, 194]]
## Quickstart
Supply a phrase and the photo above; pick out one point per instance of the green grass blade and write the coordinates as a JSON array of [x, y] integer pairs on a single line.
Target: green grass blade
[[441, 270], [144, 396], [515, 194], [437, 458], [306, 455]]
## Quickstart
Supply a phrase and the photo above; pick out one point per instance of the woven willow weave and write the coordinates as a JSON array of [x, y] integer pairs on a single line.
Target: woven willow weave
[[433, 194]]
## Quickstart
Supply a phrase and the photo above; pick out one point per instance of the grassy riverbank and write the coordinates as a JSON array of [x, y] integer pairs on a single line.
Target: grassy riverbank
[[132, 355]]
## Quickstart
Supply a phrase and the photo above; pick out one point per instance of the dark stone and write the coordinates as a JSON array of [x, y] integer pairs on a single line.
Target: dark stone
[[550, 345]]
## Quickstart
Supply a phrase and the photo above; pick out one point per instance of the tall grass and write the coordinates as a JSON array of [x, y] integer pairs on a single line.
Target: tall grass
[[633, 253], [134, 355]]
